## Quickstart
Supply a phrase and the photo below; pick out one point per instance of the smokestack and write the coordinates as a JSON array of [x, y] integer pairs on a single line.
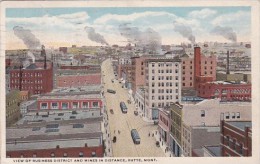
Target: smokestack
[[43, 53], [20, 77], [228, 72], [197, 64]]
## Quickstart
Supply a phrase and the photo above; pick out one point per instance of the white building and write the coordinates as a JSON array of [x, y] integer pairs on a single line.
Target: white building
[[163, 84], [207, 115], [139, 100]]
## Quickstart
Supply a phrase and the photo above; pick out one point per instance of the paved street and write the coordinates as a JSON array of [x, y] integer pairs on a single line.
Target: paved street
[[123, 123]]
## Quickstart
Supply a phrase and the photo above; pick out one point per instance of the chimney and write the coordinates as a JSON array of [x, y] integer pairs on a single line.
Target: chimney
[[43, 53], [197, 63], [20, 77], [227, 67]]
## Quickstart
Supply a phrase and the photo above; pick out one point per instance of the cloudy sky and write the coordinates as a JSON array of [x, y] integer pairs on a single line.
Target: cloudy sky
[[56, 27]]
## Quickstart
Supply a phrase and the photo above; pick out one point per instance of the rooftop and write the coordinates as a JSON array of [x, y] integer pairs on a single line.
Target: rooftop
[[214, 150], [54, 116], [240, 124]]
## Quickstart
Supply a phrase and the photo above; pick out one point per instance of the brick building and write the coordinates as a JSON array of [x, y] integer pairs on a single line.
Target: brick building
[[138, 72], [236, 138], [164, 125], [32, 78], [203, 67], [226, 91], [64, 134], [78, 80], [71, 98]]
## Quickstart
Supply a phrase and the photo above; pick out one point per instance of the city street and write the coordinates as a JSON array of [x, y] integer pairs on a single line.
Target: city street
[[120, 124]]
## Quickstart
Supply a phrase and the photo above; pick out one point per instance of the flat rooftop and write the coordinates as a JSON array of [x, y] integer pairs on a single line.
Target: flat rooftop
[[240, 124], [214, 150], [62, 116], [41, 132]]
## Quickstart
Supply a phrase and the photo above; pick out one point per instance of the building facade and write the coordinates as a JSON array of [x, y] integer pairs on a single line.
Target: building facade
[[162, 84], [13, 100], [176, 129], [236, 138], [32, 79], [164, 125]]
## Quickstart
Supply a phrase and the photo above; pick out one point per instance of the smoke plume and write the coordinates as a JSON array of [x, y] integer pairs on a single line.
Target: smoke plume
[[148, 40], [96, 37], [27, 37], [185, 31], [226, 32]]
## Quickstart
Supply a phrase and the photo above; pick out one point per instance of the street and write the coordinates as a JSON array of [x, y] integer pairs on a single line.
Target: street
[[120, 124]]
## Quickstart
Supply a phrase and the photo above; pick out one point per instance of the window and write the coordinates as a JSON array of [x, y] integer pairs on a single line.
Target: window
[[54, 105], [81, 154], [227, 115], [95, 104], [152, 90], [85, 105], [238, 114], [152, 64], [152, 77], [44, 105], [183, 84], [152, 97], [65, 105], [233, 115], [202, 113], [152, 84], [34, 155], [93, 154], [75, 105], [153, 71], [52, 154], [65, 154]]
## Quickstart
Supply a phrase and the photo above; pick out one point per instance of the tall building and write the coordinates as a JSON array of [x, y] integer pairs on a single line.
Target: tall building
[[162, 84], [138, 72], [33, 78], [236, 138], [13, 100]]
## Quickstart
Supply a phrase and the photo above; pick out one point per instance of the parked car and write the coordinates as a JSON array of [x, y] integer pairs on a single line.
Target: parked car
[[111, 91], [136, 112], [111, 111], [157, 143]]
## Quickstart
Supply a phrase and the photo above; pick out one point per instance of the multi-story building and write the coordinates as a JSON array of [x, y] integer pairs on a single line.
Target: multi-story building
[[162, 84], [71, 98], [204, 67], [140, 99], [13, 100], [187, 72], [236, 138], [58, 134], [164, 125], [32, 78], [175, 129], [189, 121], [138, 72], [226, 91]]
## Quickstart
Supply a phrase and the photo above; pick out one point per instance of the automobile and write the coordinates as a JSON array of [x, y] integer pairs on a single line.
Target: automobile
[[111, 91], [111, 111], [114, 139], [136, 112], [157, 143]]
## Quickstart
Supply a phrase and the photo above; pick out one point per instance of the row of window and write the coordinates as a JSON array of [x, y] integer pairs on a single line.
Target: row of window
[[233, 144], [167, 84], [166, 91], [162, 97], [165, 121], [184, 84], [52, 154], [65, 105], [164, 64], [162, 104], [26, 81], [26, 75], [166, 77], [28, 87]]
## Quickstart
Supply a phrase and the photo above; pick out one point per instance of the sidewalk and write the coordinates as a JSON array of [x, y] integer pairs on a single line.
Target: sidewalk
[[163, 145]]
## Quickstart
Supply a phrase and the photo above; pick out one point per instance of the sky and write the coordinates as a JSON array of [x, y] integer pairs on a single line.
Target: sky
[[56, 27]]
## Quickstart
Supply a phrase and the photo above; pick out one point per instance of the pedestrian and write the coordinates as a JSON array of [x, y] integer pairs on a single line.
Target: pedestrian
[[118, 131], [153, 134], [149, 134], [114, 131]]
